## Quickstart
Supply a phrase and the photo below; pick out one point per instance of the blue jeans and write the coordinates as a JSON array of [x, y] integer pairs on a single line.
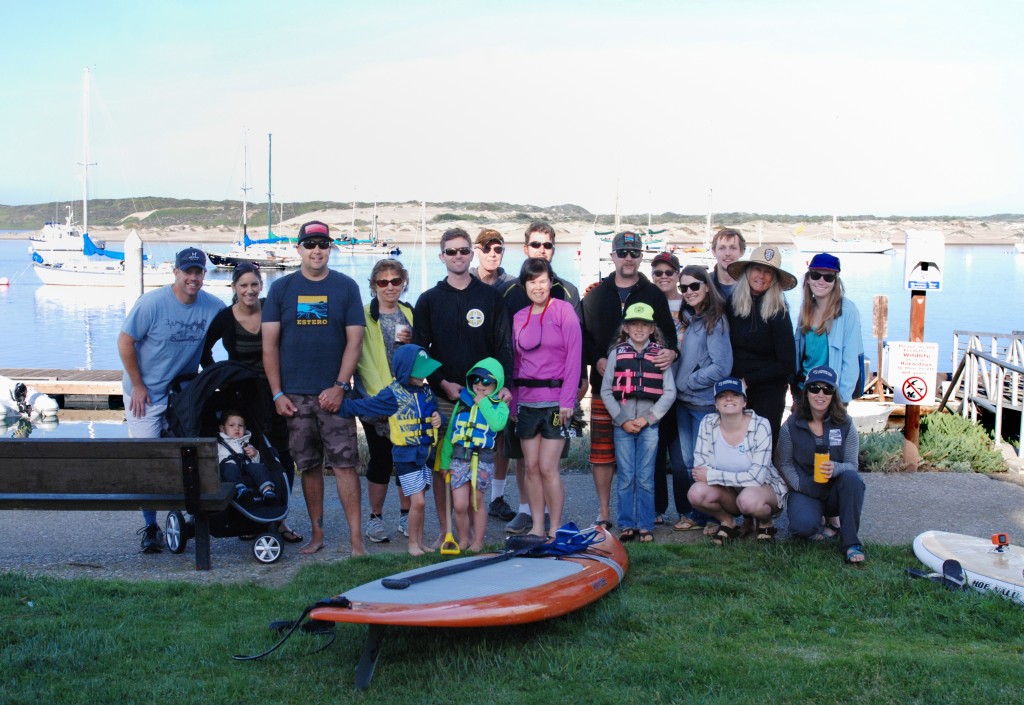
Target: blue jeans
[[688, 420], [634, 458]]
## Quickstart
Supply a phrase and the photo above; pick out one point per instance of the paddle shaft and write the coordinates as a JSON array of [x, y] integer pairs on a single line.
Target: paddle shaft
[[403, 583]]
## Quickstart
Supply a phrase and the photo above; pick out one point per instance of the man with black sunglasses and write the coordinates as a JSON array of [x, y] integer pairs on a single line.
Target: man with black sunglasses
[[603, 308], [460, 321], [490, 250], [313, 326]]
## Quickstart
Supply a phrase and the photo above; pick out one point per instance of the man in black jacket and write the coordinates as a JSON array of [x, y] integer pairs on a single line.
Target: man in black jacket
[[459, 322], [603, 308]]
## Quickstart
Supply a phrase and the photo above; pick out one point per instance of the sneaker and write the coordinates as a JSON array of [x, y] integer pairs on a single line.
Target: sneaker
[[376, 531], [520, 524], [499, 509], [152, 538], [403, 525]]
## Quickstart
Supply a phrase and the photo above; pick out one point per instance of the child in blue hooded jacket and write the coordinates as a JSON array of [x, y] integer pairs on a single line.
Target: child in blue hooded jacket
[[413, 421]]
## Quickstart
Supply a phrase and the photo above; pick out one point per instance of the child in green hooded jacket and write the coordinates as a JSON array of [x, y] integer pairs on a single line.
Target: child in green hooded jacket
[[468, 449]]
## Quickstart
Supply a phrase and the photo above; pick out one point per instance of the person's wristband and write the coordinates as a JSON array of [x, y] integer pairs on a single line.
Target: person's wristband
[[277, 396]]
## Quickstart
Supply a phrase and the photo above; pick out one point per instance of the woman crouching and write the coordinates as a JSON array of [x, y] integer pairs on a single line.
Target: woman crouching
[[733, 472], [820, 426]]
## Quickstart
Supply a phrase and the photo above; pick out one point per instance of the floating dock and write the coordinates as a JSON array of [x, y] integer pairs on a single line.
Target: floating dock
[[72, 388]]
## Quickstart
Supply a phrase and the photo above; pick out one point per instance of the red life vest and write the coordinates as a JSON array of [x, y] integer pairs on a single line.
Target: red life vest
[[636, 375]]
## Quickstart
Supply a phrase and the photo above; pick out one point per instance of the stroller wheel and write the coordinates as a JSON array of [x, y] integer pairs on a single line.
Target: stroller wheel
[[267, 548], [176, 532]]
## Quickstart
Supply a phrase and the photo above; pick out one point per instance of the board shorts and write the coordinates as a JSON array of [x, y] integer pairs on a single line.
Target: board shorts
[[532, 420], [318, 438], [413, 477], [602, 434], [462, 472]]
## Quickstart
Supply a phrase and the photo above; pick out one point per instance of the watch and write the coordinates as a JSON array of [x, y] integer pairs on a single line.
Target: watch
[[345, 386]]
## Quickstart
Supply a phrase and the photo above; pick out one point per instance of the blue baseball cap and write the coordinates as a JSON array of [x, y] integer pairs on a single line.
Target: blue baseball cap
[[824, 374], [824, 261], [190, 257], [730, 384]]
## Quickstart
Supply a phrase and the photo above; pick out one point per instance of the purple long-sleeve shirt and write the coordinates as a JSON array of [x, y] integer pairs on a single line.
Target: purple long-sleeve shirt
[[557, 355]]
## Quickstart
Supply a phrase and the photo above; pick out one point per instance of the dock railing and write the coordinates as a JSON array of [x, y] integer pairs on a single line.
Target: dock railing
[[989, 374]]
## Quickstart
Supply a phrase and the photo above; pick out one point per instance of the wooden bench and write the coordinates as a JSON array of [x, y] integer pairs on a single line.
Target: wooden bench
[[122, 474]]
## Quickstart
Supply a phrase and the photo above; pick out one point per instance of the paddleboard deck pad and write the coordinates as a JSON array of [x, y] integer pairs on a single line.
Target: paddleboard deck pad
[[488, 590], [987, 568]]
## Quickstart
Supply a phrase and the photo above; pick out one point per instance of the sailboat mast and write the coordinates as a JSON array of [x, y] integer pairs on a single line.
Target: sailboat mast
[[85, 150], [270, 191], [245, 187], [707, 225]]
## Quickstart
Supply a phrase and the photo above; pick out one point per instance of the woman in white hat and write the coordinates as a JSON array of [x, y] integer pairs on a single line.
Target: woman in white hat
[[760, 328]]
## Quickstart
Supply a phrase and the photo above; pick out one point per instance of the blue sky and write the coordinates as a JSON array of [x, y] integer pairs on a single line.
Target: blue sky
[[779, 107]]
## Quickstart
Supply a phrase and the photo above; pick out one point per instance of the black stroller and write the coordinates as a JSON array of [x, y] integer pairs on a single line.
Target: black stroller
[[194, 412]]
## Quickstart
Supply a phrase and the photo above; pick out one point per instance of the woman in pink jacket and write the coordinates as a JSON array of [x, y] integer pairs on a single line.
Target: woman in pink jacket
[[547, 344]]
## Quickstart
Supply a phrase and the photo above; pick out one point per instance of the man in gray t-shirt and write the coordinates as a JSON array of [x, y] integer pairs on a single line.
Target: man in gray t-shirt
[[162, 338]]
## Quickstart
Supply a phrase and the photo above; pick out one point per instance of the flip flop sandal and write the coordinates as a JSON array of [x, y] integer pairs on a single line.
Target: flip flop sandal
[[711, 529], [292, 536], [687, 524], [765, 533], [645, 537], [852, 554], [604, 523], [627, 535], [726, 534], [953, 576]]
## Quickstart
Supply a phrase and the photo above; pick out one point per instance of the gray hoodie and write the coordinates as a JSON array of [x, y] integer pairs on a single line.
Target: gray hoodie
[[704, 359]]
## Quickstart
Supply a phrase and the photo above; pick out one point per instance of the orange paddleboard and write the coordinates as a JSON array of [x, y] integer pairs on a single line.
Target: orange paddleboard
[[518, 590]]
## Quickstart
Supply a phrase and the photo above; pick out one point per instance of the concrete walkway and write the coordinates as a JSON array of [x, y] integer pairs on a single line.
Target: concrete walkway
[[103, 544]]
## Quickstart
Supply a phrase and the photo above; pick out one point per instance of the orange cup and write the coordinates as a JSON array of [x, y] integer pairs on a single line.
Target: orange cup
[[819, 460]]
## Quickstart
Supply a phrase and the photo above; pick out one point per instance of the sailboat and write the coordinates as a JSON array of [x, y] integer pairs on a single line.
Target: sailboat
[[373, 245], [838, 243], [89, 264], [272, 252]]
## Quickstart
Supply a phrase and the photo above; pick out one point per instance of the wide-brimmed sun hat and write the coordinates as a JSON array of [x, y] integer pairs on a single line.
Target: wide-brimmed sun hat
[[767, 256]]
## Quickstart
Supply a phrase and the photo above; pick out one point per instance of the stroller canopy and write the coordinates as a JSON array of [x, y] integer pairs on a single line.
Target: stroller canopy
[[224, 385]]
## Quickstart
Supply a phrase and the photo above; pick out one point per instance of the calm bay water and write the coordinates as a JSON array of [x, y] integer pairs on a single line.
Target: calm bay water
[[76, 327]]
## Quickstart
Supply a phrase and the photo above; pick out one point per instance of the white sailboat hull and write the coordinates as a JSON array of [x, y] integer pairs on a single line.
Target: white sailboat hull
[[851, 246], [99, 274]]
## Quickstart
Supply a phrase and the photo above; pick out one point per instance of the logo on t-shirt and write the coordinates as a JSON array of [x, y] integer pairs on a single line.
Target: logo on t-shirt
[[475, 318], [311, 311]]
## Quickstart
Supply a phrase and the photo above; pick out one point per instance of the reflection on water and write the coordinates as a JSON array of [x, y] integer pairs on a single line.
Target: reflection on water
[[21, 427], [77, 327]]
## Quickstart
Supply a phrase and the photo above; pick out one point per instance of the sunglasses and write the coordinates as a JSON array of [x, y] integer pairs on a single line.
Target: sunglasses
[[394, 281], [815, 276], [493, 248], [477, 379], [452, 251], [313, 244], [539, 245], [825, 389], [664, 273], [632, 254], [692, 286]]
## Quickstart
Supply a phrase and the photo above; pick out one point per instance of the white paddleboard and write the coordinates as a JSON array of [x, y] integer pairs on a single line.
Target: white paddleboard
[[987, 569]]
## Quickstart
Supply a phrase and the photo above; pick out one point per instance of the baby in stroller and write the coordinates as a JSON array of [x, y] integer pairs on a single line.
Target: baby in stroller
[[240, 461]]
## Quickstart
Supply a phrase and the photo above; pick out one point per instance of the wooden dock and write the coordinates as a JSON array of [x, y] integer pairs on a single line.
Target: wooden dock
[[63, 383]]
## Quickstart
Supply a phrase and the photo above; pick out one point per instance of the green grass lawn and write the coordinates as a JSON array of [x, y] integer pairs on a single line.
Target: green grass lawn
[[787, 623]]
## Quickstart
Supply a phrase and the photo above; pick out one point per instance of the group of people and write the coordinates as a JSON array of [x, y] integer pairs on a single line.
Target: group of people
[[488, 368]]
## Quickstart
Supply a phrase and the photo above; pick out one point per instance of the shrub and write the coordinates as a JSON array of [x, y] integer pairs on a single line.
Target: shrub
[[951, 442]]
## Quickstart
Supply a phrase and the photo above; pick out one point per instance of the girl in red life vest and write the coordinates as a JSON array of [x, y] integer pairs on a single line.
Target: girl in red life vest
[[637, 395]]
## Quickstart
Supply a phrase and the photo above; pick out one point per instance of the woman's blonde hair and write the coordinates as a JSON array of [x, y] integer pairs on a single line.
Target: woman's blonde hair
[[773, 302]]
